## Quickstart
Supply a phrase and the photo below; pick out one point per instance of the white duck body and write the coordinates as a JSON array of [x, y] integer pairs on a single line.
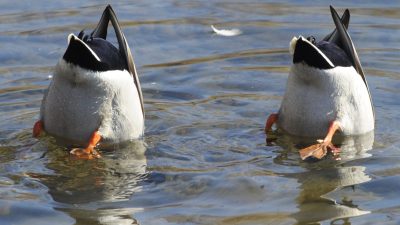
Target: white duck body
[[95, 90], [80, 101], [326, 86], [315, 97]]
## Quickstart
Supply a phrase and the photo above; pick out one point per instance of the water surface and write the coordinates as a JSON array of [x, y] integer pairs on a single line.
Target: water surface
[[204, 159]]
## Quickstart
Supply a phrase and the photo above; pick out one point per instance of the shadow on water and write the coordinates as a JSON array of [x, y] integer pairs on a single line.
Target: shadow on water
[[324, 176]]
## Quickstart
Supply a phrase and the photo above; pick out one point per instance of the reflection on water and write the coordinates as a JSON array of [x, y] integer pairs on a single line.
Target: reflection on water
[[314, 185], [78, 183], [204, 159], [325, 176], [113, 177]]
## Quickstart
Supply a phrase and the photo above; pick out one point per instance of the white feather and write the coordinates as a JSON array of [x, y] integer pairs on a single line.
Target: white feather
[[228, 33], [80, 101]]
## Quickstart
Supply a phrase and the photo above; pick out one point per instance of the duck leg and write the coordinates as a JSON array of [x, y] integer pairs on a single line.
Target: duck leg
[[272, 118], [37, 128], [319, 150], [89, 152]]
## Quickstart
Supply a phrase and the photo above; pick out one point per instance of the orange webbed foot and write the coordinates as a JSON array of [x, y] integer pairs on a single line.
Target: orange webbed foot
[[321, 149], [85, 153], [89, 152]]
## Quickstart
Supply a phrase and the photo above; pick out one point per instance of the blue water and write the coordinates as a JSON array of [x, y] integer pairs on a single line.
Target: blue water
[[204, 159]]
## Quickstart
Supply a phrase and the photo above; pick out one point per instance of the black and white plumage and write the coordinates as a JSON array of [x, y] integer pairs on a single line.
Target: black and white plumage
[[326, 83], [95, 87]]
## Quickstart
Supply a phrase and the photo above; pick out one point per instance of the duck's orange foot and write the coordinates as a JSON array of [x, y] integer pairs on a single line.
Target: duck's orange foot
[[319, 150], [85, 153], [89, 152]]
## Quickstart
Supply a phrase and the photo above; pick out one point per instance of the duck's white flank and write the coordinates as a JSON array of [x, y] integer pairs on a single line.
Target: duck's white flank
[[80, 101], [316, 97]]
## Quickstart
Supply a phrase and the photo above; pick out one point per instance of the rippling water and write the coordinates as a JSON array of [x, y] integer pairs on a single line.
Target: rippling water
[[204, 159]]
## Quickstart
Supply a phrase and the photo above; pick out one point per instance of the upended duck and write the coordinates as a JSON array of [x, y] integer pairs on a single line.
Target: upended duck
[[326, 92], [95, 94]]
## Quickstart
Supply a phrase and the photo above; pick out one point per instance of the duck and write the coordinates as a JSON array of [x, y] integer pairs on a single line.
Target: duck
[[326, 91], [95, 95]]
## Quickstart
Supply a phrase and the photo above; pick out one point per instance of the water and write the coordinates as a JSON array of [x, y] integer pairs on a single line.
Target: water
[[204, 159]]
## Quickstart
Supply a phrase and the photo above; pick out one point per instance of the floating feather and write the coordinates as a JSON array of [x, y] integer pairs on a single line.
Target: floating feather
[[228, 33]]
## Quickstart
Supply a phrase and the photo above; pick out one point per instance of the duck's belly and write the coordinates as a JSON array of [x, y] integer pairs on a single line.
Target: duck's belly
[[307, 110], [304, 115], [72, 113]]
